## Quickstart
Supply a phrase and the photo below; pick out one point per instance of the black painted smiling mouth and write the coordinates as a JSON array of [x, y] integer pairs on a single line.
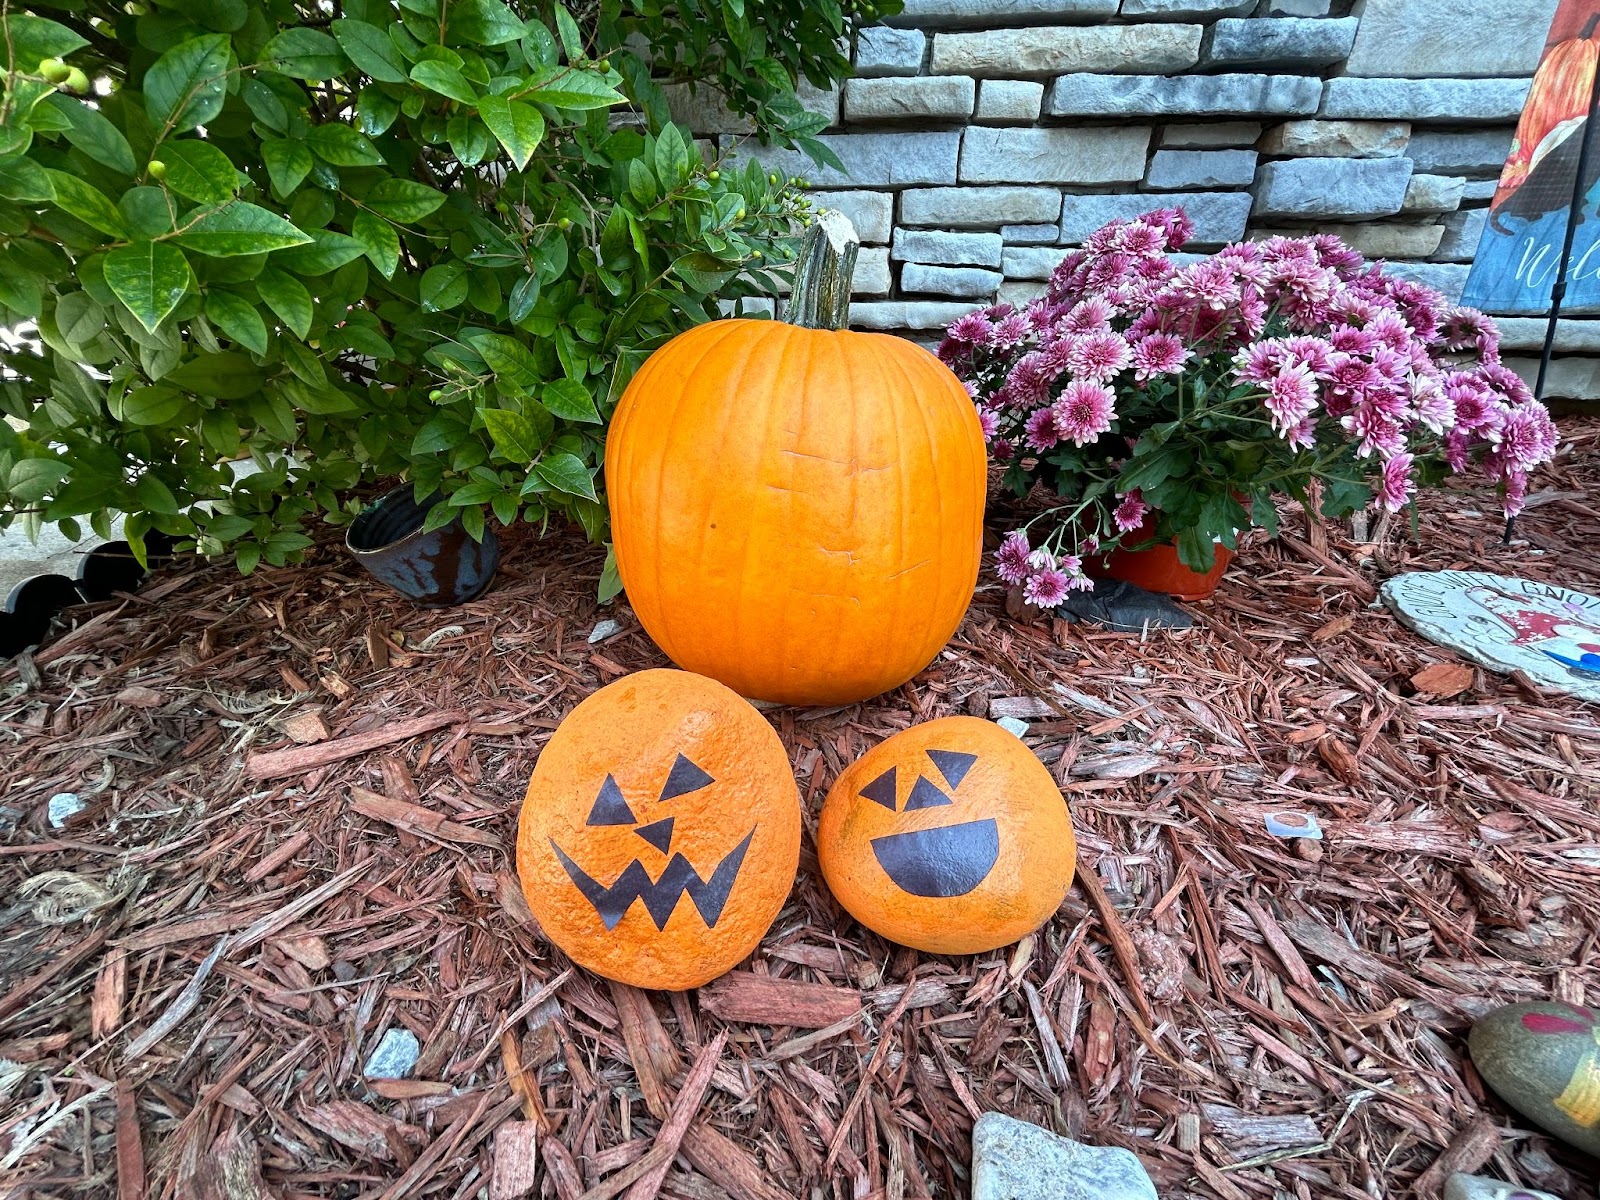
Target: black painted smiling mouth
[[940, 863]]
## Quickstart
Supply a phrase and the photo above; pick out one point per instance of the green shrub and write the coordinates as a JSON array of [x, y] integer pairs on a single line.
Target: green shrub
[[432, 239]]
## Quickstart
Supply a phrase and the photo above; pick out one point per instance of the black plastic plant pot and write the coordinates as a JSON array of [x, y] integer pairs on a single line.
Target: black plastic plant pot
[[30, 608], [111, 567], [435, 569]]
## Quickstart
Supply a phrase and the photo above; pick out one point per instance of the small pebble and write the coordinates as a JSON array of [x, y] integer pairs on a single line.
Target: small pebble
[[1476, 1187], [396, 1055], [63, 807], [1014, 726], [1013, 1160], [604, 630]]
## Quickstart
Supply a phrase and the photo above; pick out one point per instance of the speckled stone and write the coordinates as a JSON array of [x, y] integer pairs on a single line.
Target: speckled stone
[[1543, 1059], [396, 1055], [1013, 1160]]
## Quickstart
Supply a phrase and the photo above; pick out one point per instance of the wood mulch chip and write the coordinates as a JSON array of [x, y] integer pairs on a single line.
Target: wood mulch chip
[[301, 794]]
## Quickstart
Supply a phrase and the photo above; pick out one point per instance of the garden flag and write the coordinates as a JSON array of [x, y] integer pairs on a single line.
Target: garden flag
[[1519, 253]]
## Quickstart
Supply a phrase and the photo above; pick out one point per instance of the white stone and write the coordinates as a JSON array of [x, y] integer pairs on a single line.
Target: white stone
[[1122, 96], [1110, 154], [1375, 239], [1463, 37], [1332, 187], [884, 51], [1013, 1160], [703, 109], [814, 99], [1479, 189], [1475, 1187], [1569, 378], [395, 1057], [1016, 727], [1448, 279], [63, 807], [1030, 235], [872, 213], [1479, 152], [1433, 194], [1009, 101], [946, 249], [1527, 333], [872, 275], [1030, 262], [979, 207], [927, 97], [905, 314], [1019, 293], [1456, 100], [970, 282], [1185, 10], [1280, 41], [891, 160], [1213, 134], [604, 630], [1219, 217], [1053, 50], [1001, 12], [1338, 139], [1176, 169]]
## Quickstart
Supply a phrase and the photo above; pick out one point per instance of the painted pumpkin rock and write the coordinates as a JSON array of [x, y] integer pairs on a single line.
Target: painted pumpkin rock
[[950, 837], [661, 831], [1543, 1059]]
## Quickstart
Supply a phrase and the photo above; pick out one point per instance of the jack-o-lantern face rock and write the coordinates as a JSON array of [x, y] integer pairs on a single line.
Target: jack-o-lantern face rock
[[950, 837], [661, 831], [797, 511]]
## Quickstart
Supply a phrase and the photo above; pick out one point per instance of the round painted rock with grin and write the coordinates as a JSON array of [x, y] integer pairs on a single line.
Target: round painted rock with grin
[[950, 837], [661, 831]]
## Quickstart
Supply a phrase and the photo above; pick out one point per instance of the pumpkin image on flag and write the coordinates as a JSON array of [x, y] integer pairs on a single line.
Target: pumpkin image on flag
[[661, 831], [949, 837]]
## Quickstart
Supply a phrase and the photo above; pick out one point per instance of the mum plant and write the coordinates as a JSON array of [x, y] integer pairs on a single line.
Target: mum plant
[[1163, 400], [428, 238]]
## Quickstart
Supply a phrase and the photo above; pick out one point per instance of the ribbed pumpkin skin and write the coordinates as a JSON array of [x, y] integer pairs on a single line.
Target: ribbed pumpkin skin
[[797, 512]]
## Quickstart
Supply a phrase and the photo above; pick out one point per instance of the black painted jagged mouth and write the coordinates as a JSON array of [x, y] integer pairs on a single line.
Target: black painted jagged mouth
[[661, 895], [940, 863]]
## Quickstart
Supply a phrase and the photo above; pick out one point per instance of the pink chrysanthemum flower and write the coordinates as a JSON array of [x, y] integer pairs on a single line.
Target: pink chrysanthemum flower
[[1011, 560], [1041, 431], [1088, 316], [1140, 239], [1506, 381], [1084, 411], [1529, 436], [1099, 356], [1130, 512], [1159, 354], [1376, 433], [1291, 396], [973, 328], [1432, 404], [1303, 436], [1046, 589], [1395, 484], [1002, 450], [1347, 339], [989, 422], [1011, 331]]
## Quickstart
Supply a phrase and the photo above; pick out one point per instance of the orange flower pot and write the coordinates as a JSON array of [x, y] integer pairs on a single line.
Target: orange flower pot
[[1158, 568]]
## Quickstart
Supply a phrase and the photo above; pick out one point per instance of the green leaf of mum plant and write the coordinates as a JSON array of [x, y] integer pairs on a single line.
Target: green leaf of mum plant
[[566, 473]]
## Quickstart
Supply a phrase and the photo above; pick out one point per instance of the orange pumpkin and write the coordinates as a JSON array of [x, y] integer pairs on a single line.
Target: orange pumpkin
[[950, 837], [661, 831], [1560, 93], [796, 508]]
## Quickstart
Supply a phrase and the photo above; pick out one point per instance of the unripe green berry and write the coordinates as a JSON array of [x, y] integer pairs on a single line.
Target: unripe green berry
[[773, 178], [605, 64], [564, 223], [77, 82], [54, 70], [157, 169], [739, 216], [436, 394], [714, 175]]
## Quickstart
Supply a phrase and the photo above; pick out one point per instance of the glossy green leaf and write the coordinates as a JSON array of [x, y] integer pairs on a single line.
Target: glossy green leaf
[[379, 240], [444, 79], [199, 171], [343, 146], [519, 127], [568, 87], [288, 298], [155, 496], [483, 22], [150, 278], [371, 49], [514, 366], [443, 287], [570, 400], [153, 406], [90, 131], [514, 435], [571, 35], [87, 203], [237, 318], [240, 228], [28, 38], [227, 375], [32, 479], [328, 252], [403, 200], [303, 53], [288, 163], [566, 473], [187, 85]]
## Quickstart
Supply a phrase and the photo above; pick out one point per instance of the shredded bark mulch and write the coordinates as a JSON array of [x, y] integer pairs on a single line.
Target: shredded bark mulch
[[301, 795]]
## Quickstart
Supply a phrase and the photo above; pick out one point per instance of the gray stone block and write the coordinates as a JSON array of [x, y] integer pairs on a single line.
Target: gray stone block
[[1527, 333], [1178, 169], [1569, 378], [927, 97], [703, 110], [1433, 194], [1332, 187], [1299, 8], [1215, 133], [1013, 1160], [1030, 262], [993, 13], [946, 249], [1051, 50], [1280, 41], [979, 207], [1479, 189], [814, 99], [891, 160], [1454, 100], [1112, 154], [1478, 152], [1462, 233], [872, 213], [1030, 235], [1185, 10], [1447, 278], [1464, 37], [872, 276], [1184, 95], [1020, 292], [1219, 217], [1375, 239], [971, 283], [884, 51], [1338, 139], [905, 314], [1010, 101]]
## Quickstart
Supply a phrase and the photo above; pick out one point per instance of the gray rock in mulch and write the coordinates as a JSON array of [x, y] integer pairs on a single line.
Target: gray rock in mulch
[[1013, 1160], [63, 807], [1124, 608], [395, 1057], [1475, 1187]]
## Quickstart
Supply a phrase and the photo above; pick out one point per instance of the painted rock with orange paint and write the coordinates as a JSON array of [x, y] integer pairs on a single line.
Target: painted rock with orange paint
[[1543, 1059], [661, 831], [950, 837]]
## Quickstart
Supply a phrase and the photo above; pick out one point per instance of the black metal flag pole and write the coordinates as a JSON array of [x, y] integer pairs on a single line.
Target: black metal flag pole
[[1558, 290]]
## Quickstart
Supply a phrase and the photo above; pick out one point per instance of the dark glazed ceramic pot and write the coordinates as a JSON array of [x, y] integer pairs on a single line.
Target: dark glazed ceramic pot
[[435, 569]]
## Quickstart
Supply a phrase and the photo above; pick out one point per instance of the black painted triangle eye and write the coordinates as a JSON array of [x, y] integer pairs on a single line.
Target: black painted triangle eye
[[609, 806], [926, 795], [881, 789], [952, 764], [684, 778]]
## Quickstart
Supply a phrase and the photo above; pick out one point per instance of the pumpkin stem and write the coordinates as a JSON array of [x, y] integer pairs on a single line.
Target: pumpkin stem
[[1588, 29], [821, 295]]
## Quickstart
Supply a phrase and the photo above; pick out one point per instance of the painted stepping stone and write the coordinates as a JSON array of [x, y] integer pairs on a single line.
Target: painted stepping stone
[[1506, 624], [1543, 1059]]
